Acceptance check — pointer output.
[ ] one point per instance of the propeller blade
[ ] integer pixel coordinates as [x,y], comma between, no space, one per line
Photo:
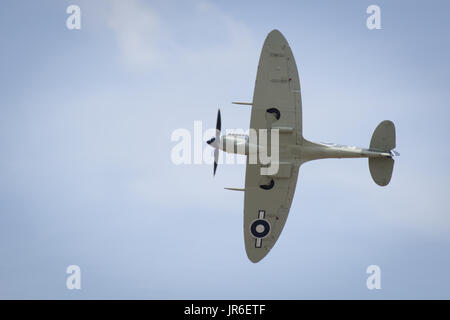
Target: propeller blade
[217,140]
[219,122]
[216,160]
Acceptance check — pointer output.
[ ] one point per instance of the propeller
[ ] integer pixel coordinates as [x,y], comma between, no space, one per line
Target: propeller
[214,141]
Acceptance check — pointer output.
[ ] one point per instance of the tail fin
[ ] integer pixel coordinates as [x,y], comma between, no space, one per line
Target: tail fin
[383,139]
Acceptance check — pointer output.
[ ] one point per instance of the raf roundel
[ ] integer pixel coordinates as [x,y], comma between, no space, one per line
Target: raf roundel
[260,228]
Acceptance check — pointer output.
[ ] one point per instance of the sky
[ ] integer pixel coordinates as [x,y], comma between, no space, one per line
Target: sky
[87,178]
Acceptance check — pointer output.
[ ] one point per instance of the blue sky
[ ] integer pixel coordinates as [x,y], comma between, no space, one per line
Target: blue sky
[87,179]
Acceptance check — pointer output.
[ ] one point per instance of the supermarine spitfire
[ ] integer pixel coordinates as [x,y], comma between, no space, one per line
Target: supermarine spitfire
[277,106]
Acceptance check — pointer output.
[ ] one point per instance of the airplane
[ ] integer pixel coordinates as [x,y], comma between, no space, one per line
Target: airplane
[277,105]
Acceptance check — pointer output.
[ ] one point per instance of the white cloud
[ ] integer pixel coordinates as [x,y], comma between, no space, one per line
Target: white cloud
[138,31]
[148,37]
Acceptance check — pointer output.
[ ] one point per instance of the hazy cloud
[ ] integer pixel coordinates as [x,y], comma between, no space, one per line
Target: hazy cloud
[138,31]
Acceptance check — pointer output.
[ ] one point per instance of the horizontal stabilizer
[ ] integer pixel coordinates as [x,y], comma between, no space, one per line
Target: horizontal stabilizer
[381,170]
[383,138]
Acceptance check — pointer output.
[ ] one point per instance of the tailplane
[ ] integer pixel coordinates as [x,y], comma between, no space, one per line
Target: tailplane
[383,140]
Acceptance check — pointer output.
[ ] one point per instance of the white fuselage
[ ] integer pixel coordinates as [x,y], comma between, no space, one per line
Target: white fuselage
[234,143]
[239,144]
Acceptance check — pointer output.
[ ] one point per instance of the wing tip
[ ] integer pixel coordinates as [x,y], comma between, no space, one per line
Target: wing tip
[275,33]
[256,257]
